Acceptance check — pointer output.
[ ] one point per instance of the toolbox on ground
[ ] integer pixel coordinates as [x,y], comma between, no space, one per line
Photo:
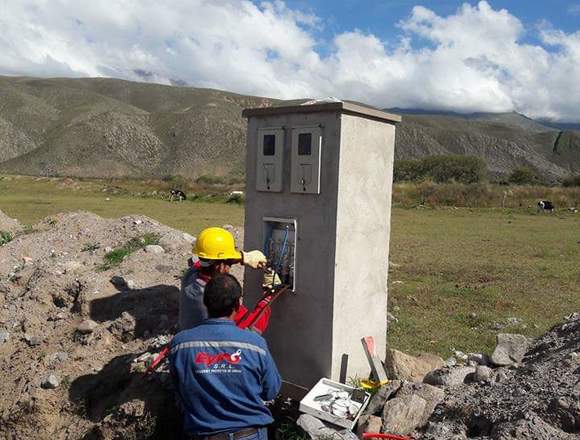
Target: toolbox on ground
[335,402]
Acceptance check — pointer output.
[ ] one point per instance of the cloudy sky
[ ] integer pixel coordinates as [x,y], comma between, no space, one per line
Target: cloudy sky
[464,56]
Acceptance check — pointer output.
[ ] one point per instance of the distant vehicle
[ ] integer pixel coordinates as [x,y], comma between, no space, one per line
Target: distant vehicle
[545,206]
[176,195]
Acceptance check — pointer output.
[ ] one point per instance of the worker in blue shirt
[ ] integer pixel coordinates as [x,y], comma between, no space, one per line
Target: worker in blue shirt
[223,374]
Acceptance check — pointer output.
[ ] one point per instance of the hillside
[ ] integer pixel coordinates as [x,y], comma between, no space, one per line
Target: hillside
[506,141]
[115,128]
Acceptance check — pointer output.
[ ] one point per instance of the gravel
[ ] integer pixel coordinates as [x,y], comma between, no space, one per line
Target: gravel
[539,399]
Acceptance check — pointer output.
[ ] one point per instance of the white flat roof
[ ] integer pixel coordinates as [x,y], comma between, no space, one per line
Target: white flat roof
[342,107]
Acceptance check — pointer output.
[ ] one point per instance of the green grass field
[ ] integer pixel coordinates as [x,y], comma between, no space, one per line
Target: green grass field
[456,272]
[30,199]
[494,264]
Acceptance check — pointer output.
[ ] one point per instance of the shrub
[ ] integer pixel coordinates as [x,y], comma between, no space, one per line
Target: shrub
[462,169]
[481,195]
[5,237]
[571,181]
[137,243]
[525,176]
[442,169]
[211,180]
[116,256]
[408,170]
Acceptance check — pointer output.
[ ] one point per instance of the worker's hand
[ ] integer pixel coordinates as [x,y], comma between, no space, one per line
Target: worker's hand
[271,279]
[254,259]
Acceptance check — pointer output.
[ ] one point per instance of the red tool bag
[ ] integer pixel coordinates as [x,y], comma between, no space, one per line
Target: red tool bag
[369,435]
[259,318]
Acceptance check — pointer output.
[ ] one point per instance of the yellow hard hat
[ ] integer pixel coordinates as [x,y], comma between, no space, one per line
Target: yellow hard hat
[216,244]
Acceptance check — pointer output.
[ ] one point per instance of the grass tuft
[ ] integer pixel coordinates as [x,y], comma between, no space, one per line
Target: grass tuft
[5,237]
[116,256]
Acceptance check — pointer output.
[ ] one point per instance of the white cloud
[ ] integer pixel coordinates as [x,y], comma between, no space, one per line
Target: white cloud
[472,60]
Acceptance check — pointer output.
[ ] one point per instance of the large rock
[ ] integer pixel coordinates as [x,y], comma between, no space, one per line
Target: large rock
[122,284]
[87,326]
[482,373]
[510,349]
[50,382]
[403,415]
[317,429]
[378,401]
[449,376]
[478,358]
[368,423]
[124,327]
[400,365]
[154,249]
[431,394]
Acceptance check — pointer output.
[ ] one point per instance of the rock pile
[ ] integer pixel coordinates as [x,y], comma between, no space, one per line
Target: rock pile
[525,389]
[533,393]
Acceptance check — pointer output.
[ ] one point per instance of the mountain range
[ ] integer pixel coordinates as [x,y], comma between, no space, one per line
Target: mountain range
[97,127]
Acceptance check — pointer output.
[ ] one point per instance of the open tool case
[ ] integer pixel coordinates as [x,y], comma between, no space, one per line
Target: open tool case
[327,401]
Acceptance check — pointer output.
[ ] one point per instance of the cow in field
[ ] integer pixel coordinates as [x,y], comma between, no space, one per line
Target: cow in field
[176,194]
[545,206]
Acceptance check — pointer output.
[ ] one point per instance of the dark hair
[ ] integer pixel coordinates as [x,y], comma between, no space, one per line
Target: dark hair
[222,295]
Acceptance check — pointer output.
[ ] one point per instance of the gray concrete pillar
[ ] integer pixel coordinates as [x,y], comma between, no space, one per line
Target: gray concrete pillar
[318,201]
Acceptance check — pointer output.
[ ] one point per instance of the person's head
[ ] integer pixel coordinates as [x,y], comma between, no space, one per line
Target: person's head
[222,296]
[216,250]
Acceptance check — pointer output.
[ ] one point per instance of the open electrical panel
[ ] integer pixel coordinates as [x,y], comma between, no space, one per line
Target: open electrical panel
[280,248]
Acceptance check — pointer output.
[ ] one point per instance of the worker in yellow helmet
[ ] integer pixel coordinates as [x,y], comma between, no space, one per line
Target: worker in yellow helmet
[216,252]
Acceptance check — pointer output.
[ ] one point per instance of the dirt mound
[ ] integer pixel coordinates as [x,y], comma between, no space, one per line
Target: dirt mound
[69,337]
[8,224]
[539,399]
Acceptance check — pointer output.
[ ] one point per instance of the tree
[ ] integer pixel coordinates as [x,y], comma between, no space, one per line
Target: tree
[442,169]
[571,181]
[524,176]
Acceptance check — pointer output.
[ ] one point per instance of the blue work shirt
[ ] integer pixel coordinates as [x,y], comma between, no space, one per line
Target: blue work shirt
[223,375]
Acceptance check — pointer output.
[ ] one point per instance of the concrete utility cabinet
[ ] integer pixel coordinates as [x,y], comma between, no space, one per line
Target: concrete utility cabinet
[318,203]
